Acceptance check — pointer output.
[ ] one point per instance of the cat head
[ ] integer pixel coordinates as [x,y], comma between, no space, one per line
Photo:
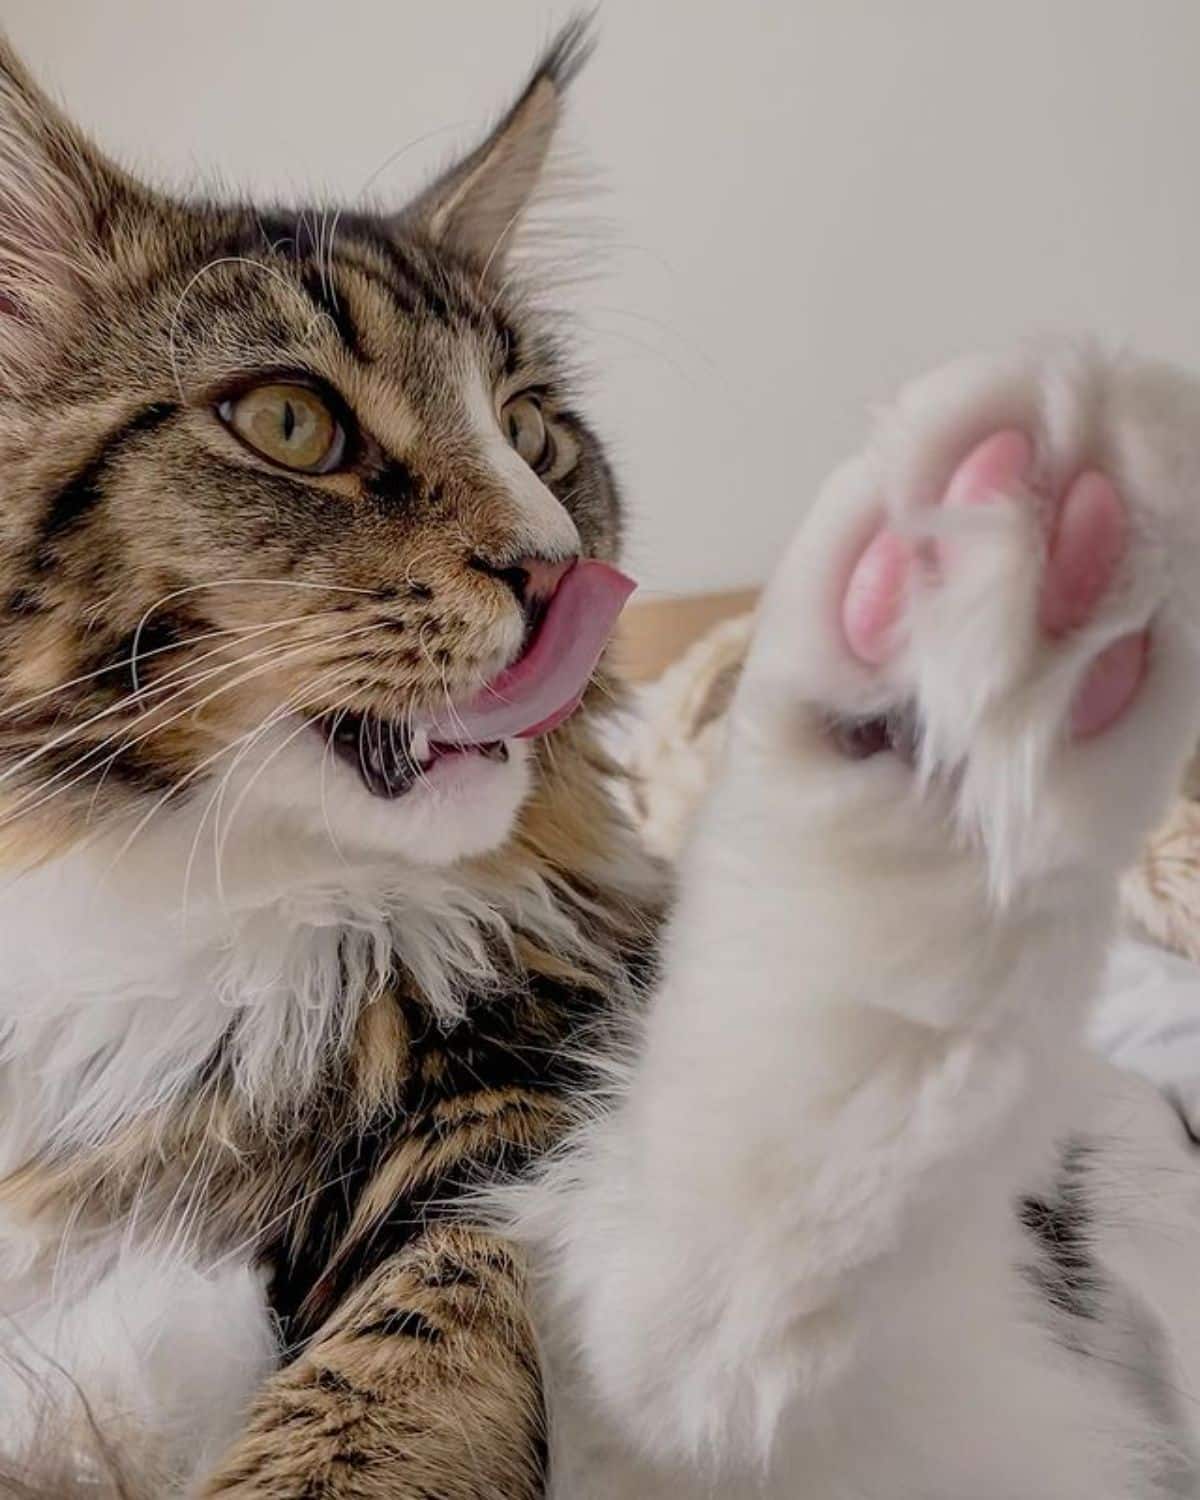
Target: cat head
[277,489]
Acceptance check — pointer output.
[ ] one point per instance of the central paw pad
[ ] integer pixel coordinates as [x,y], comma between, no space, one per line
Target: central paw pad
[1086,533]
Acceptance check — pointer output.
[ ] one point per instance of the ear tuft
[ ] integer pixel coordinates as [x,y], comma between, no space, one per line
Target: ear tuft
[474,208]
[568,53]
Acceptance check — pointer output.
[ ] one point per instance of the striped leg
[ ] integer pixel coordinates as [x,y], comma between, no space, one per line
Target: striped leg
[423,1384]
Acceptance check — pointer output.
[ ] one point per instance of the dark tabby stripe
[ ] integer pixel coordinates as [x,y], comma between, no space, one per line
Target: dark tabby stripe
[402,298]
[392,483]
[1066,1273]
[66,509]
[477,1104]
[132,660]
[322,293]
[415,289]
[449,1409]
[410,280]
[403,1323]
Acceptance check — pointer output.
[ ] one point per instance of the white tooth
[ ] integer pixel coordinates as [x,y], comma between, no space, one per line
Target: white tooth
[420,746]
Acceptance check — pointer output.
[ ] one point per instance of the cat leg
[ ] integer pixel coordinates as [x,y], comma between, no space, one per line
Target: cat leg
[424,1383]
[972,693]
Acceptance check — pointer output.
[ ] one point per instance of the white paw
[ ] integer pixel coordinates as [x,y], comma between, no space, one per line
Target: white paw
[1003,593]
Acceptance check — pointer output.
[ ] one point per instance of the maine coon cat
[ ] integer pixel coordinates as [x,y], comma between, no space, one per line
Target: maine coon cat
[306,930]
[303,541]
[864,1218]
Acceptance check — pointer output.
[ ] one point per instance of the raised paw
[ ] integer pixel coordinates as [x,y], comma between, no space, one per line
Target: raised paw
[1086,531]
[1004,590]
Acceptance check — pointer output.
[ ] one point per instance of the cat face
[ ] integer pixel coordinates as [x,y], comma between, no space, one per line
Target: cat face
[277,487]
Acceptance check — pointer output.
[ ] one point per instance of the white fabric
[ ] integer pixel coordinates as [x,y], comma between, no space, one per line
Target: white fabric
[1148,1019]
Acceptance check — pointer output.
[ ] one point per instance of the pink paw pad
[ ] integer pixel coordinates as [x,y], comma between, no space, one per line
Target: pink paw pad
[874,596]
[1087,539]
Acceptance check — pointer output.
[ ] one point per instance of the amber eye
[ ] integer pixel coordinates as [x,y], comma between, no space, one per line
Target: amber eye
[289,424]
[525,427]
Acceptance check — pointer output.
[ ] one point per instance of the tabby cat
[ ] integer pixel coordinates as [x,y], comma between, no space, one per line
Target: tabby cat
[315,896]
[301,920]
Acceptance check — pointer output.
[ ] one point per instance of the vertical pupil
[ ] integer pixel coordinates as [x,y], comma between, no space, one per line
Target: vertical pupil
[289,421]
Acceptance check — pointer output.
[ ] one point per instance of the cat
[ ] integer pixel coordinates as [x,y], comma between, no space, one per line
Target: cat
[307,936]
[862,1216]
[304,909]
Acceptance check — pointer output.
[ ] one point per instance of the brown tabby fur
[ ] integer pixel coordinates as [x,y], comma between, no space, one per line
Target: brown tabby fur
[130,525]
[423,1360]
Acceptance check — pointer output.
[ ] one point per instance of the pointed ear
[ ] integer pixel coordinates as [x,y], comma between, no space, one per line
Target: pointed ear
[474,208]
[57,193]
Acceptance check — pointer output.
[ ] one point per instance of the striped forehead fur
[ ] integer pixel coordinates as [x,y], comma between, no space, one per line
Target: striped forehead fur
[162,593]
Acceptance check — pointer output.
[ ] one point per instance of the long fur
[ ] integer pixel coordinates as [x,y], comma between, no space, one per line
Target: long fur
[863,1217]
[852,1213]
[261,1029]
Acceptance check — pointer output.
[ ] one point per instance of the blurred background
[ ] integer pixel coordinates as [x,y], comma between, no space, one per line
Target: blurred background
[806,199]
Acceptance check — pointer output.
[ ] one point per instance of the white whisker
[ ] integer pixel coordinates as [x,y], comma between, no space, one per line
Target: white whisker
[221,839]
[212,265]
[283,653]
[174,685]
[195,588]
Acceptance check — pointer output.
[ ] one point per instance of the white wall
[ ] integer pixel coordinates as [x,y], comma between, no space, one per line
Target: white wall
[812,197]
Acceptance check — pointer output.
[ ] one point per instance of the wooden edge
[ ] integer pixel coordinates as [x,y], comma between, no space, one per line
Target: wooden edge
[657,632]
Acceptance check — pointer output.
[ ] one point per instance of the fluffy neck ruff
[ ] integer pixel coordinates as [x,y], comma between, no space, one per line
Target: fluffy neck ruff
[127,979]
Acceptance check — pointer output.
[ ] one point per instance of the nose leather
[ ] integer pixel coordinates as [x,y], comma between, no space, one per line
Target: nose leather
[532,579]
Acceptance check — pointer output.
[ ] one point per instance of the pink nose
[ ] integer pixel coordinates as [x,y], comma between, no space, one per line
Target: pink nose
[532,579]
[543,578]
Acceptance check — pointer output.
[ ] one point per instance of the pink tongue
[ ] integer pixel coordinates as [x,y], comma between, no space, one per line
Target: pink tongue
[545,685]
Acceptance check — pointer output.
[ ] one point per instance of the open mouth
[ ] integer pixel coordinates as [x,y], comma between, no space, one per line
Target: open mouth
[540,687]
[390,759]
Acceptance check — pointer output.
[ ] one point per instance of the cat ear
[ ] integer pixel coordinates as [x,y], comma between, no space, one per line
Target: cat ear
[56,195]
[474,208]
